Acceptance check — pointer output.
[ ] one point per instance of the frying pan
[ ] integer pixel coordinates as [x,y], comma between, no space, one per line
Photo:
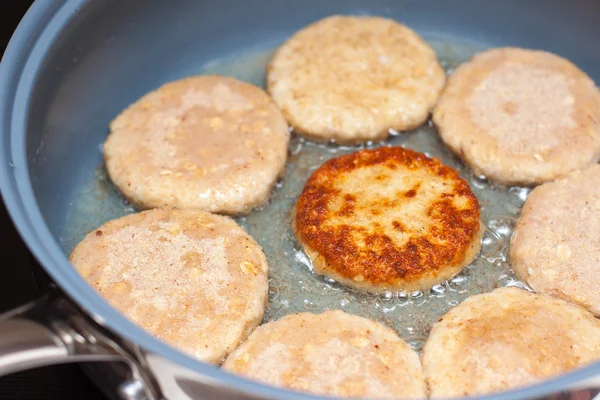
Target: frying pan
[72,65]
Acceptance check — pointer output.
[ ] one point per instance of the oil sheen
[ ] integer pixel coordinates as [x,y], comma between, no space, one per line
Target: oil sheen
[294,287]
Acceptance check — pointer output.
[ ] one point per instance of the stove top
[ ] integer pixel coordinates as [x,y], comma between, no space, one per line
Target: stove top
[22,279]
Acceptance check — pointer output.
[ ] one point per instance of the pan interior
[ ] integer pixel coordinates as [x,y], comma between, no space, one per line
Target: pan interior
[107,54]
[294,287]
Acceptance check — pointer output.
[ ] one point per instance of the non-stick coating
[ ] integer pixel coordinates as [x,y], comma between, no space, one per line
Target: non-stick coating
[73,65]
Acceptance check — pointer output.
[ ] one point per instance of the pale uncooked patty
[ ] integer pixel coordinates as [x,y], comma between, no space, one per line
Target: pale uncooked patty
[388,219]
[520,116]
[193,279]
[506,339]
[556,243]
[207,142]
[332,353]
[351,79]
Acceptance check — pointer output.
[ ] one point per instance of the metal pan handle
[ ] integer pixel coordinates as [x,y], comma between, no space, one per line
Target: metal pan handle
[53,331]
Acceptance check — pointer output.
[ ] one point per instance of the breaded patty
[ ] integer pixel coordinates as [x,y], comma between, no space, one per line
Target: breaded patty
[193,279]
[351,79]
[388,219]
[556,243]
[332,353]
[207,142]
[520,116]
[506,339]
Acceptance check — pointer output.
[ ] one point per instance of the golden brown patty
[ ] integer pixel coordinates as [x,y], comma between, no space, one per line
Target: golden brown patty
[388,219]
[193,279]
[520,116]
[332,353]
[208,142]
[351,79]
[506,339]
[556,244]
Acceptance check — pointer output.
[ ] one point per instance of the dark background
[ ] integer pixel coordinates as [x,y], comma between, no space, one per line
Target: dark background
[22,280]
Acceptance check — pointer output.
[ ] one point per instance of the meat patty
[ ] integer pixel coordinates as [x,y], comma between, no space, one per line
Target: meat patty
[388,219]
[207,142]
[332,353]
[507,339]
[520,116]
[556,244]
[351,79]
[193,279]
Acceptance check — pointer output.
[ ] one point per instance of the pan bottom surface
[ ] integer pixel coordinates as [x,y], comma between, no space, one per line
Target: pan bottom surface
[294,287]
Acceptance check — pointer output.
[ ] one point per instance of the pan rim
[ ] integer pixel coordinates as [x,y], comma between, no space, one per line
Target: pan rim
[22,59]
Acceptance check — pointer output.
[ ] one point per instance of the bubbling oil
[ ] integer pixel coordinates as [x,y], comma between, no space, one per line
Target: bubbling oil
[293,285]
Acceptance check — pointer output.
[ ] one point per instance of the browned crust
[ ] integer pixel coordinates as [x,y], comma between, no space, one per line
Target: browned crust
[449,241]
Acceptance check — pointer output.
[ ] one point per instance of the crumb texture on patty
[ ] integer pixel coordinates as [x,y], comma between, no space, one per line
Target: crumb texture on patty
[388,219]
[332,353]
[506,339]
[351,79]
[207,142]
[193,279]
[556,243]
[520,116]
